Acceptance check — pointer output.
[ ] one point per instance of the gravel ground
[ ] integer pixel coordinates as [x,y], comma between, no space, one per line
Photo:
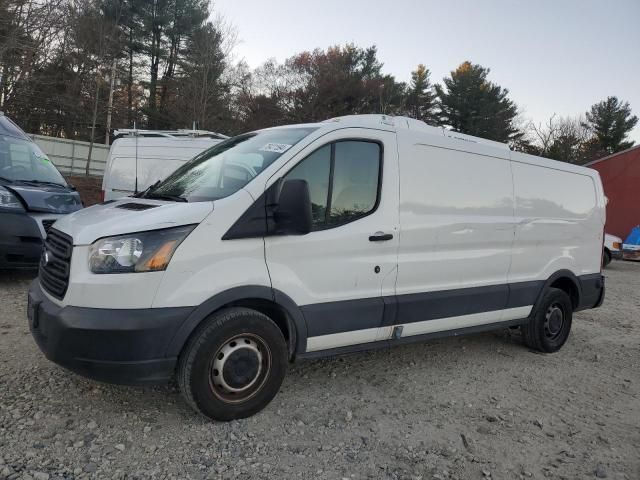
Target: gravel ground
[474,407]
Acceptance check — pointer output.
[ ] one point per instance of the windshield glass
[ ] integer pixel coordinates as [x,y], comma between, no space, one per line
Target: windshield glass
[228,166]
[23,161]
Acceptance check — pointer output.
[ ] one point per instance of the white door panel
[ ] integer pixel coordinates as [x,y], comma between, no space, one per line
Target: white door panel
[333,265]
[456,216]
[337,275]
[456,232]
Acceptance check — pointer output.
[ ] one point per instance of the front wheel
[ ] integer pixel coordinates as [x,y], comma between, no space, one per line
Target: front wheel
[233,365]
[549,327]
[606,258]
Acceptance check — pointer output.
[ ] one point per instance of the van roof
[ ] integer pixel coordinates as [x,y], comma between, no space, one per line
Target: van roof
[406,123]
[390,122]
[473,144]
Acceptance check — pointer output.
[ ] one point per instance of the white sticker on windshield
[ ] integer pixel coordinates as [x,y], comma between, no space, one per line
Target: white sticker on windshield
[275,147]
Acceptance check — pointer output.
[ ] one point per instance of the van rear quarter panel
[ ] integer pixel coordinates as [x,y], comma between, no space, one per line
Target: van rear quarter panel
[559,217]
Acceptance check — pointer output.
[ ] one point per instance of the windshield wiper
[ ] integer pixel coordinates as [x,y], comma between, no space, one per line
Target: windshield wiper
[42,182]
[173,198]
[146,190]
[148,193]
[5,179]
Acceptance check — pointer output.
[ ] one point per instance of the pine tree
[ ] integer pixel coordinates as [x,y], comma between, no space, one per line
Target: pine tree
[610,121]
[421,98]
[168,25]
[341,80]
[471,104]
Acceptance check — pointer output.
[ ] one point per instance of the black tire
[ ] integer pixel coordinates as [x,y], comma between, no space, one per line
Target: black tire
[606,257]
[258,360]
[550,324]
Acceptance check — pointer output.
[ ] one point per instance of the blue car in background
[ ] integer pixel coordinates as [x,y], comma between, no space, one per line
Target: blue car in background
[33,195]
[631,246]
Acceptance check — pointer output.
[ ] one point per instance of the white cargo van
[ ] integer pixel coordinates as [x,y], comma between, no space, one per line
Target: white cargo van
[139,158]
[311,240]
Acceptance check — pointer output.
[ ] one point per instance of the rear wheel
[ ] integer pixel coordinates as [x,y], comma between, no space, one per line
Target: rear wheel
[549,327]
[233,365]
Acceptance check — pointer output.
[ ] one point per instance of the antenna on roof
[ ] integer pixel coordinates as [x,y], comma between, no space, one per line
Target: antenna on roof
[135,188]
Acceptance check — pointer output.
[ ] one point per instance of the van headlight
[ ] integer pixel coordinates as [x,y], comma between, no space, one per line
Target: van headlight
[136,252]
[9,200]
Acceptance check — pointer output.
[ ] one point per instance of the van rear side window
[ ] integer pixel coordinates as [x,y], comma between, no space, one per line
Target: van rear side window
[343,180]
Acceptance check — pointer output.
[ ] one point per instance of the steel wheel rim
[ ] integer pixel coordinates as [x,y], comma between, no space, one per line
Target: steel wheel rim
[239,368]
[554,321]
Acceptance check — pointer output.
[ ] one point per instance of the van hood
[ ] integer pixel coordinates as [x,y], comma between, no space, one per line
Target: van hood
[129,215]
[45,198]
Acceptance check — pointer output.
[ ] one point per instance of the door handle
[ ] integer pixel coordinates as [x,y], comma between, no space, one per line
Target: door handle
[380,237]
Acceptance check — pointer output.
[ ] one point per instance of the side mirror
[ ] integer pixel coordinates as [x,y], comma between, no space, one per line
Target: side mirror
[293,212]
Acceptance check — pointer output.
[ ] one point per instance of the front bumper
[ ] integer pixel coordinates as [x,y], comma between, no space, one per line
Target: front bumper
[630,252]
[20,241]
[616,254]
[111,345]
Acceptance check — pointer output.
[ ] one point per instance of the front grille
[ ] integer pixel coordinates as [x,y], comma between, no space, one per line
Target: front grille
[46,224]
[55,263]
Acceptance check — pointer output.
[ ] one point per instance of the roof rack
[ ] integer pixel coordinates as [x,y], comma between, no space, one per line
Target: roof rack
[180,133]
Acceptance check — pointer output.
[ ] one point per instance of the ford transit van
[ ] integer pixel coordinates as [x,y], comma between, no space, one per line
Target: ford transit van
[33,195]
[309,240]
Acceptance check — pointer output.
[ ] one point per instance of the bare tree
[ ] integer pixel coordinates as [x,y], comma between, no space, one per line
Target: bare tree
[108,48]
[29,30]
[561,138]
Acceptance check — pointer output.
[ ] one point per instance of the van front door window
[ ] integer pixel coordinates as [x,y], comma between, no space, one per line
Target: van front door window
[343,181]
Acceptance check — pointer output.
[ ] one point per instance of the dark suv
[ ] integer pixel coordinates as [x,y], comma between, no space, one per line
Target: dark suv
[33,195]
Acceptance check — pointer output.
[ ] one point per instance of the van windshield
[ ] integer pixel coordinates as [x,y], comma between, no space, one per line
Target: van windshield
[228,166]
[23,161]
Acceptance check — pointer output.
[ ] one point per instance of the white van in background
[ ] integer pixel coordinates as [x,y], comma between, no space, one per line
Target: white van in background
[139,158]
[311,240]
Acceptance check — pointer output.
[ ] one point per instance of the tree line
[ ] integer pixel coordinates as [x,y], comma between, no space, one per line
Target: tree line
[77,69]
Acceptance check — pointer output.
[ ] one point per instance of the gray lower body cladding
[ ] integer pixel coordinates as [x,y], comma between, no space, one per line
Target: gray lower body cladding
[141,346]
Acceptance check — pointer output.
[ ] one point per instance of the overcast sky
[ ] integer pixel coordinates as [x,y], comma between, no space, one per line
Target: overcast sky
[554,56]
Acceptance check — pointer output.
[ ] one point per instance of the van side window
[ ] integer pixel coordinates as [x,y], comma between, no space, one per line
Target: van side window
[315,170]
[355,181]
[343,180]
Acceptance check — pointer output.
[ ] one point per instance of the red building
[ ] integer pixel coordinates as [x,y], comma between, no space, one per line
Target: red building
[620,175]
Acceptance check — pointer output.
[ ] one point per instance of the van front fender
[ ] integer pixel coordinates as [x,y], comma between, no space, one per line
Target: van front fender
[295,319]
